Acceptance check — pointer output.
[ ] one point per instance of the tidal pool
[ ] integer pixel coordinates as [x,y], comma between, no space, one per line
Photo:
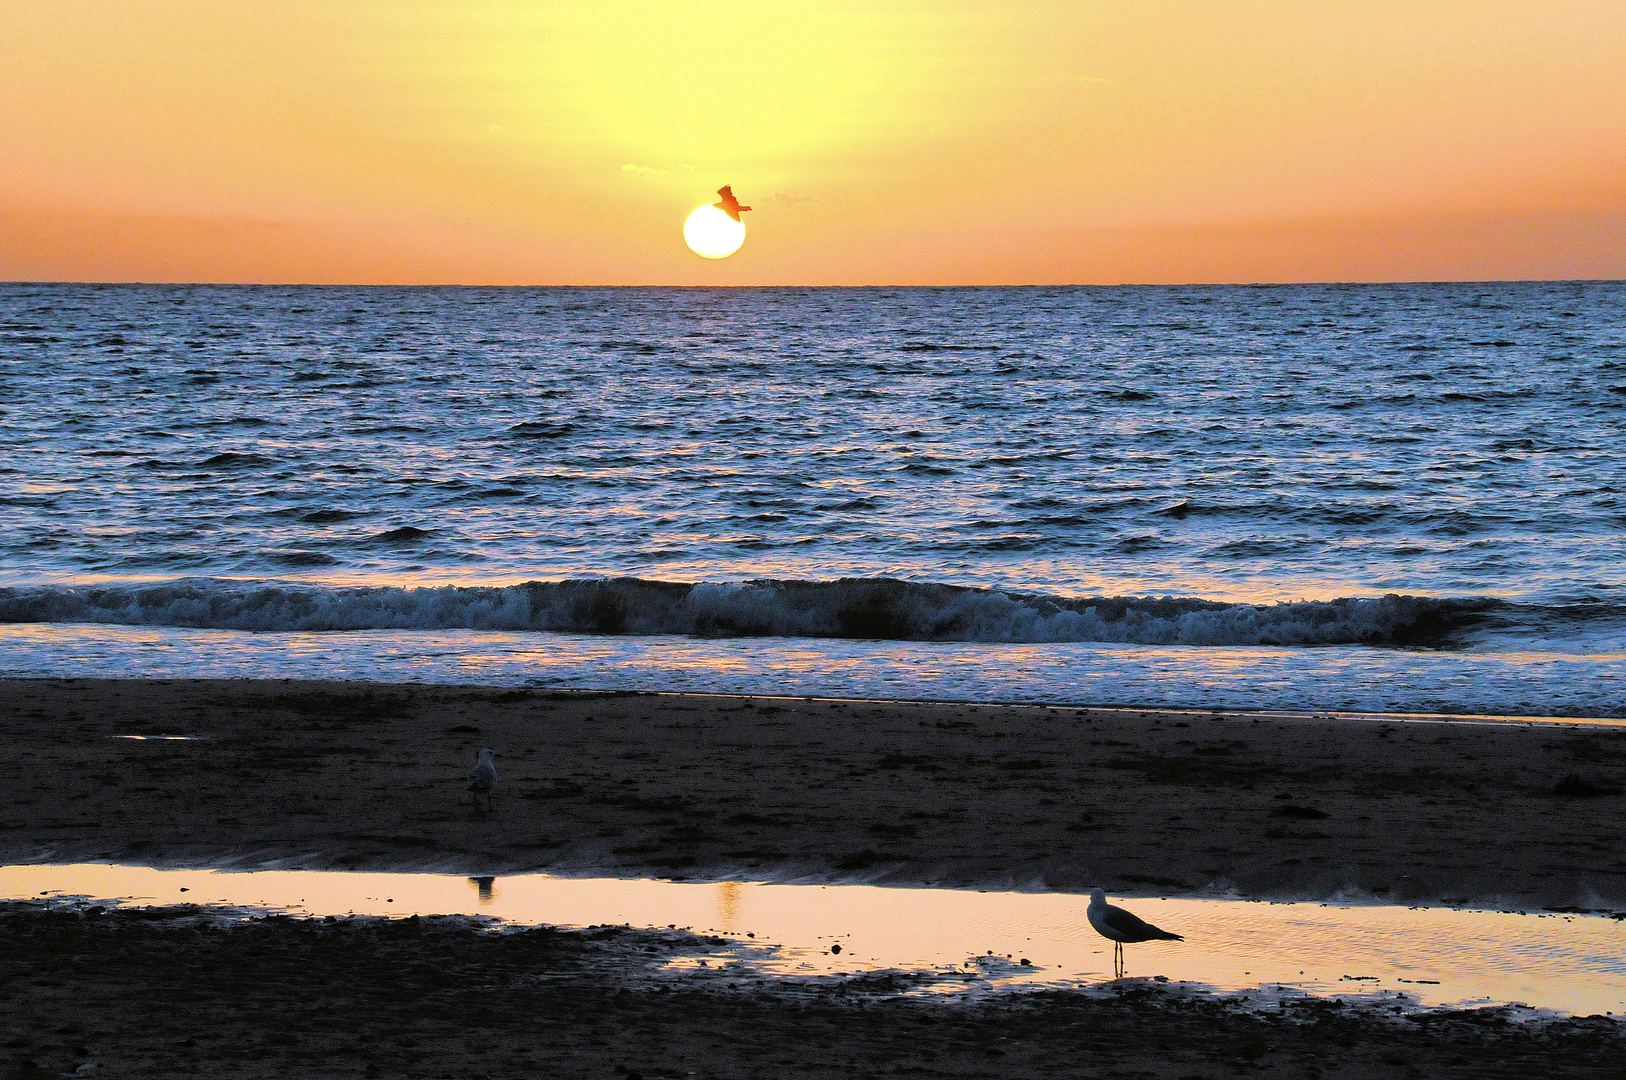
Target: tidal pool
[976,940]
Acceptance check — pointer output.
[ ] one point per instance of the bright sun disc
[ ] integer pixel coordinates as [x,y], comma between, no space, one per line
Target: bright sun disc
[712,234]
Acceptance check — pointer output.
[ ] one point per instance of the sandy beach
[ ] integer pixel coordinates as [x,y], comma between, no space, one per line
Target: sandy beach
[371,776]
[165,993]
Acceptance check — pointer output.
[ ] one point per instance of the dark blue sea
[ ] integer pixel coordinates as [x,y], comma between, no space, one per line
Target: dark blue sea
[1377,497]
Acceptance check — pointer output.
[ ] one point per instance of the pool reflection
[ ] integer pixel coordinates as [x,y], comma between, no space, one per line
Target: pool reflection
[977,940]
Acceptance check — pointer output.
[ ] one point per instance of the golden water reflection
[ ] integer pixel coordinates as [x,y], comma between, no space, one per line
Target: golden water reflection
[1438,956]
[728,906]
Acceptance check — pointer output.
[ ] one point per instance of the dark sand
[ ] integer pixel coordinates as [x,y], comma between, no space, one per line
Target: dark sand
[145,996]
[338,776]
[327,775]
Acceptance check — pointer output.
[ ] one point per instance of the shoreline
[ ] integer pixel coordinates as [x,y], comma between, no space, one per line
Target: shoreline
[1168,710]
[1344,680]
[369,776]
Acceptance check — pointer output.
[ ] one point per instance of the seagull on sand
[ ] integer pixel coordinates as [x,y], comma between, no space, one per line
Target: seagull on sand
[483,777]
[1119,926]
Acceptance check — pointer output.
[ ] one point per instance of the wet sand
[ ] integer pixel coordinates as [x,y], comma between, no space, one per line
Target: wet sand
[163,993]
[330,775]
[371,776]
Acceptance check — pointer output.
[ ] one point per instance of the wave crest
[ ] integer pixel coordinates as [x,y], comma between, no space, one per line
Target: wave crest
[857,608]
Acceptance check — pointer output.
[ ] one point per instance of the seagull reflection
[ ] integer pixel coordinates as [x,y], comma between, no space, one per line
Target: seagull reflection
[483,884]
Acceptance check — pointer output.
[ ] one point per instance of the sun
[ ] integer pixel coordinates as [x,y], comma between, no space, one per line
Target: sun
[712,234]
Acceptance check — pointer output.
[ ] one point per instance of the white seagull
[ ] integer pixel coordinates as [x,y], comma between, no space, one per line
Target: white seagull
[483,777]
[1119,926]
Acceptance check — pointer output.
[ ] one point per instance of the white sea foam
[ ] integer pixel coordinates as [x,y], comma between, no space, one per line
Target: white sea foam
[1334,677]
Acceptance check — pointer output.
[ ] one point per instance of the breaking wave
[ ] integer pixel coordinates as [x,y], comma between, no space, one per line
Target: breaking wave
[854,608]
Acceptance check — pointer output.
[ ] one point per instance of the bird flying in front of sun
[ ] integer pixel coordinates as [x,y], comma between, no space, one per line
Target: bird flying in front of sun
[715,231]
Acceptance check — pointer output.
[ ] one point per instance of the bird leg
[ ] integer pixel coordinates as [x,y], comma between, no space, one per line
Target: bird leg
[1117,959]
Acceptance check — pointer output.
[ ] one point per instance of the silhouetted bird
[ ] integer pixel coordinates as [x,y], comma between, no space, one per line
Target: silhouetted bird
[1119,926]
[730,205]
[483,777]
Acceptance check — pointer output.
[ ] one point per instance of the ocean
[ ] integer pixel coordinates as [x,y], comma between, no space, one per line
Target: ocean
[1394,498]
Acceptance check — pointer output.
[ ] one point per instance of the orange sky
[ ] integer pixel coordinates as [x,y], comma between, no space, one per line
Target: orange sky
[885,141]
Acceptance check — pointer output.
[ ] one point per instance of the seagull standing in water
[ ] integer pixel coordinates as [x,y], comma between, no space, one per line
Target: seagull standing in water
[1119,926]
[483,777]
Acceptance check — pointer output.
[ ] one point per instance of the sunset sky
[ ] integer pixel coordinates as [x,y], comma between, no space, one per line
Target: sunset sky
[880,141]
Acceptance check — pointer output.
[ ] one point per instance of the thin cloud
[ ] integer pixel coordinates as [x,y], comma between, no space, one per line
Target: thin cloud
[643,172]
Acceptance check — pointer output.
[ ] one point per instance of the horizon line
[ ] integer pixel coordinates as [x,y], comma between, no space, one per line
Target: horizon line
[8,282]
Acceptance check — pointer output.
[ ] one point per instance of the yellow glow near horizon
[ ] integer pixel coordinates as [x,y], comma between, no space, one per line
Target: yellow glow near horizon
[933,141]
[712,234]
